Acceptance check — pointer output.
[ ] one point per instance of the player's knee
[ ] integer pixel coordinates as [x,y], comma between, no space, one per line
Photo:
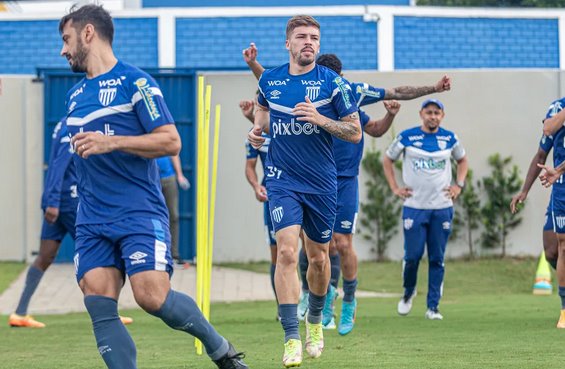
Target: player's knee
[287,256]
[319,261]
[148,302]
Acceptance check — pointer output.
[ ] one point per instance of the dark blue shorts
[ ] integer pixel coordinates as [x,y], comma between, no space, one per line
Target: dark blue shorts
[548,223]
[269,230]
[131,245]
[347,205]
[57,231]
[315,213]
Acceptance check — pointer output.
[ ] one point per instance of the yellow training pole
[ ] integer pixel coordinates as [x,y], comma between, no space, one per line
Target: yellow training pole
[206,262]
[199,199]
[212,210]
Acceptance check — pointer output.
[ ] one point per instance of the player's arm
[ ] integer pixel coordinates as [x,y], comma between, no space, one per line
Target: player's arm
[58,163]
[181,179]
[250,57]
[248,109]
[454,190]
[377,128]
[412,92]
[554,123]
[388,168]
[260,125]
[551,175]
[162,141]
[251,175]
[533,171]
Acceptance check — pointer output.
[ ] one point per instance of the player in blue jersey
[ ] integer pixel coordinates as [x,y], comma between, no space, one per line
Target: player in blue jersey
[553,127]
[118,122]
[428,198]
[304,105]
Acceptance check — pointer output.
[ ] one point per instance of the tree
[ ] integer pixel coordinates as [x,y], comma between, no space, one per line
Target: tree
[381,213]
[470,205]
[496,215]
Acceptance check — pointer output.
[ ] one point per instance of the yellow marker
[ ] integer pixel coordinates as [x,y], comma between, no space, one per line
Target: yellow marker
[542,285]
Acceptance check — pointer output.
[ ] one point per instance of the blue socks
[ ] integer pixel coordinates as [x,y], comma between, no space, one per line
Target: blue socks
[303,266]
[562,295]
[289,321]
[33,278]
[315,306]
[273,268]
[349,288]
[112,338]
[180,312]
[336,269]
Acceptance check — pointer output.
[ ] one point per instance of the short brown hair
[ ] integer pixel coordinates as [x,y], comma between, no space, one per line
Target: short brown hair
[300,21]
[93,14]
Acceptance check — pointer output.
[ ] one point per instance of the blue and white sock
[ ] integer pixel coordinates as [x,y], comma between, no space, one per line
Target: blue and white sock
[289,321]
[33,278]
[349,288]
[315,306]
[336,269]
[303,266]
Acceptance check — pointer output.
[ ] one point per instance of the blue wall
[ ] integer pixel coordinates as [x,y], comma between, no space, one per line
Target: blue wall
[432,43]
[200,3]
[218,42]
[26,45]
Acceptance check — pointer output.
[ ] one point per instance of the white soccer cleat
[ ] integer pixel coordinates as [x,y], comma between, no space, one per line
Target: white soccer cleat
[405,304]
[314,339]
[433,314]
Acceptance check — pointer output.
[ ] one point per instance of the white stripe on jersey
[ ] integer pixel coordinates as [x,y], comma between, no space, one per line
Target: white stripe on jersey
[137,96]
[104,112]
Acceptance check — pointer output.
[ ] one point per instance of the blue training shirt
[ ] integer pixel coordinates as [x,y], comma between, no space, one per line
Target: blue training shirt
[253,153]
[124,101]
[558,142]
[60,188]
[301,154]
[366,94]
[166,169]
[348,155]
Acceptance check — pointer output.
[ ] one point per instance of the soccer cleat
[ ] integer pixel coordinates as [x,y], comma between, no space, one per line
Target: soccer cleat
[405,304]
[328,311]
[292,356]
[231,360]
[303,305]
[561,322]
[433,314]
[330,325]
[24,321]
[314,339]
[126,320]
[347,318]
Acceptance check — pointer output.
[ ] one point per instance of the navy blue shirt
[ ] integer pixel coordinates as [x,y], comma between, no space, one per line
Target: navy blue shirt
[558,142]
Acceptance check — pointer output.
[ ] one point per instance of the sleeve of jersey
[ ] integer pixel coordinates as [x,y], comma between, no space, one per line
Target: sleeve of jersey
[149,104]
[261,99]
[251,153]
[546,143]
[364,118]
[395,149]
[342,98]
[457,151]
[367,94]
[59,161]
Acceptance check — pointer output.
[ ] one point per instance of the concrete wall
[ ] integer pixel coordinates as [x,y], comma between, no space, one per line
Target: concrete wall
[21,160]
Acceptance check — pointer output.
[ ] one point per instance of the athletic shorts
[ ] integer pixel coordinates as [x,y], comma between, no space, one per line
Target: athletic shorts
[315,213]
[64,224]
[347,205]
[548,223]
[269,230]
[131,245]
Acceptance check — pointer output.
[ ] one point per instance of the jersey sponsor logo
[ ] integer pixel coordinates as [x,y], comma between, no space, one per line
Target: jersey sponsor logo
[277,83]
[555,108]
[56,130]
[312,92]
[147,96]
[346,224]
[311,83]
[364,90]
[74,192]
[408,223]
[343,87]
[428,164]
[294,129]
[560,221]
[111,82]
[72,107]
[442,144]
[104,349]
[275,94]
[138,257]
[443,138]
[277,214]
[107,95]
[418,144]
[446,225]
[327,233]
[416,138]
[77,92]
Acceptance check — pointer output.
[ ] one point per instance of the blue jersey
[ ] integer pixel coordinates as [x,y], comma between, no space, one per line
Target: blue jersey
[348,155]
[301,154]
[60,188]
[252,153]
[166,169]
[366,94]
[558,141]
[127,102]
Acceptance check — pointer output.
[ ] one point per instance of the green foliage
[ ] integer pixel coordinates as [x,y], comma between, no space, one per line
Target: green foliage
[467,215]
[381,213]
[499,187]
[495,3]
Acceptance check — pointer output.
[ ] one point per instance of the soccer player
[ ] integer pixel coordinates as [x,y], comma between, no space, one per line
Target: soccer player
[553,127]
[118,122]
[252,154]
[304,105]
[428,198]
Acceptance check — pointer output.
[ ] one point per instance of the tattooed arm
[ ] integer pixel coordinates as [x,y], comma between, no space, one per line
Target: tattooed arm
[412,92]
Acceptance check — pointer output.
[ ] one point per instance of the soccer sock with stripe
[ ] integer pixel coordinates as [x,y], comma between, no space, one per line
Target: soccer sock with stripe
[349,288]
[33,278]
[303,266]
[112,338]
[336,269]
[180,312]
[315,307]
[289,321]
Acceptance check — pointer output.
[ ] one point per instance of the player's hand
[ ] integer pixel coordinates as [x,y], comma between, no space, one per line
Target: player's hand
[516,200]
[247,107]
[255,138]
[392,106]
[183,182]
[452,192]
[444,84]
[548,177]
[403,192]
[91,143]
[261,193]
[307,112]
[51,214]
[250,54]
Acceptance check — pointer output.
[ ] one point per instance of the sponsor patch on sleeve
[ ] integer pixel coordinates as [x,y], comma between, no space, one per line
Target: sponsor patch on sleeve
[343,88]
[148,97]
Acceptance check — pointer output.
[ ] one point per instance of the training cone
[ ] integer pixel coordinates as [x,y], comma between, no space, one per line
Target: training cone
[542,285]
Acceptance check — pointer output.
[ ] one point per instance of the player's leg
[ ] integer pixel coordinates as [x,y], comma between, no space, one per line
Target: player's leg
[414,223]
[328,313]
[558,218]
[303,269]
[171,195]
[271,241]
[438,234]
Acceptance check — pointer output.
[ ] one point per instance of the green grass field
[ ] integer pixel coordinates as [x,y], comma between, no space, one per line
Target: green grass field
[491,321]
